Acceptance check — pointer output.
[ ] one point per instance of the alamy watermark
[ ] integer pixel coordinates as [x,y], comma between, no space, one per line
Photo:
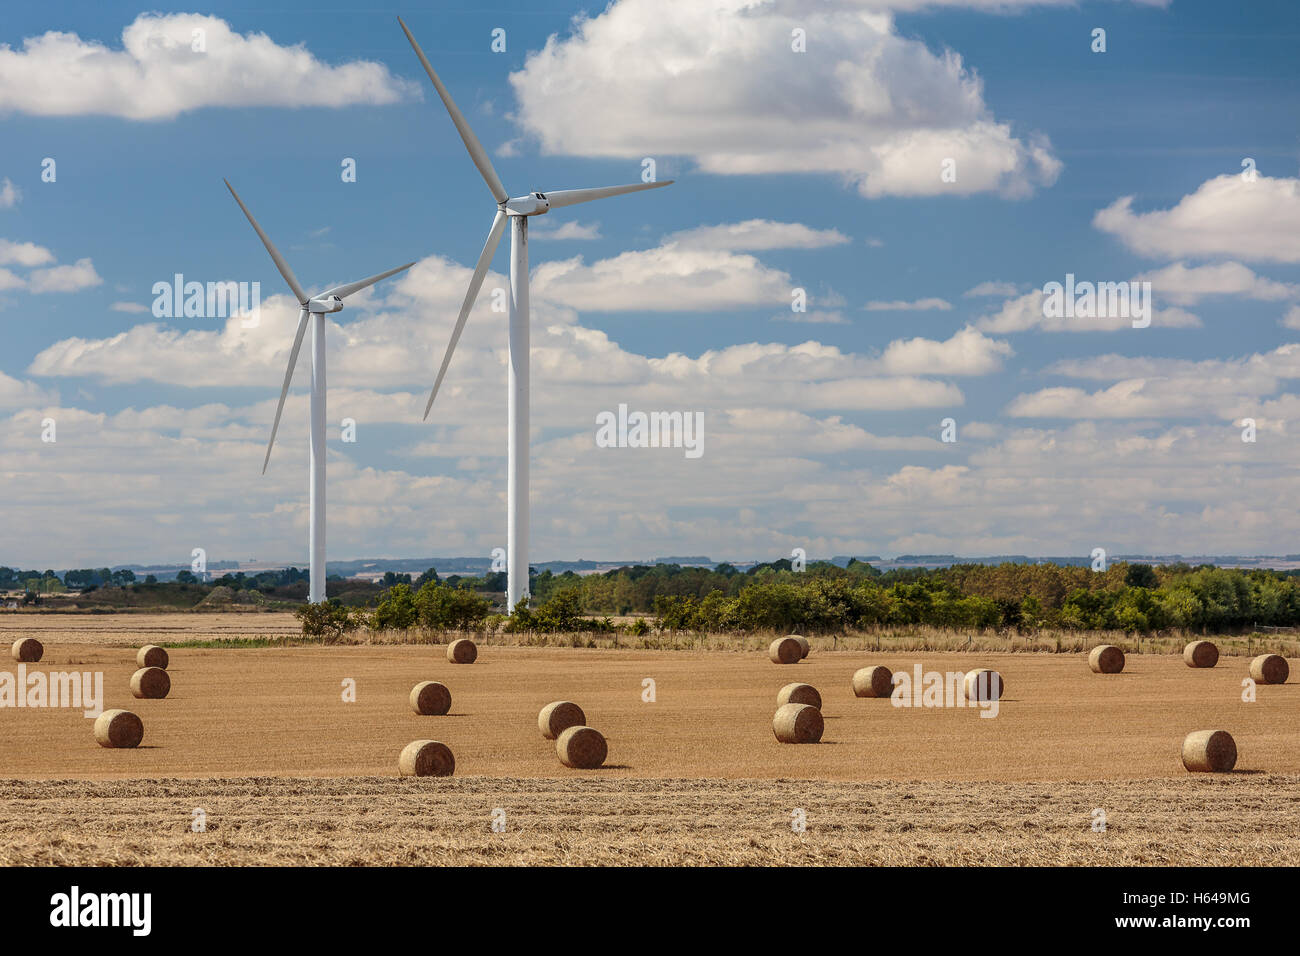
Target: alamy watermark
[84,689]
[179,299]
[651,430]
[940,689]
[1098,300]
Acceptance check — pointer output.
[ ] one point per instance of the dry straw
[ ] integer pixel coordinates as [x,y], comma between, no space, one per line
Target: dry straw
[28,650]
[1106,659]
[799,694]
[558,716]
[151,655]
[804,646]
[876,681]
[582,748]
[798,724]
[984,685]
[426,758]
[462,651]
[1270,669]
[785,650]
[1201,654]
[1212,751]
[429,698]
[118,728]
[151,683]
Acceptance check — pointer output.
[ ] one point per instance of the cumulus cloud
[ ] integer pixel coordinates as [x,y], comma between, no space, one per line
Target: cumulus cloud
[9,194]
[1187,285]
[1228,216]
[158,73]
[815,317]
[570,229]
[754,235]
[717,81]
[26,254]
[1025,312]
[69,278]
[902,305]
[966,353]
[992,288]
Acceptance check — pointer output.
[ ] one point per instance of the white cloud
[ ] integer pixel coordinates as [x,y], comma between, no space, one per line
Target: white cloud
[9,280]
[1187,285]
[815,317]
[158,75]
[1002,289]
[1226,216]
[755,235]
[570,229]
[80,275]
[667,278]
[9,194]
[1292,318]
[901,305]
[966,353]
[15,393]
[717,81]
[1025,312]
[132,307]
[26,254]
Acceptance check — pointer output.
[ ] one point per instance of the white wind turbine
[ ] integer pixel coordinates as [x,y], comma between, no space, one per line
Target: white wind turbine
[518,210]
[316,307]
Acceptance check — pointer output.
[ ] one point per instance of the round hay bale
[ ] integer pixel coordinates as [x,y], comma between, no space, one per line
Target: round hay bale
[1270,669]
[984,685]
[462,651]
[558,716]
[429,698]
[1211,751]
[150,683]
[151,655]
[798,724]
[876,681]
[426,758]
[28,650]
[582,748]
[118,728]
[785,650]
[804,646]
[1106,659]
[799,694]
[1201,654]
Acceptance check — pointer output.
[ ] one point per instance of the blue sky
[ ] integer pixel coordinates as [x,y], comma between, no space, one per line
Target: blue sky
[822,435]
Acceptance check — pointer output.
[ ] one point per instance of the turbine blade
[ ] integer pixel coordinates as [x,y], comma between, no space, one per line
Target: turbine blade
[270,247]
[571,197]
[476,150]
[288,377]
[480,271]
[343,291]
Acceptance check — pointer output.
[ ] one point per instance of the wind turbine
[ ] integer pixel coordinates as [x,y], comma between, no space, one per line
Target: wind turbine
[517,210]
[315,307]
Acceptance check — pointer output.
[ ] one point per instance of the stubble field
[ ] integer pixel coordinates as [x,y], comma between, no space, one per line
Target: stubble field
[287,770]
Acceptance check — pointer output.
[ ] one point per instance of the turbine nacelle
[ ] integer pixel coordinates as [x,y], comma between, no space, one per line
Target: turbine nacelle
[534,204]
[325,303]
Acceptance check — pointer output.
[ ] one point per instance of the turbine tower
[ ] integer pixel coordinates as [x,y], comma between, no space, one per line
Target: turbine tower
[315,307]
[517,210]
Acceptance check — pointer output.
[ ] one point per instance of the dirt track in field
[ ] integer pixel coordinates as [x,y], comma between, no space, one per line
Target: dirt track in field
[1236,821]
[693,777]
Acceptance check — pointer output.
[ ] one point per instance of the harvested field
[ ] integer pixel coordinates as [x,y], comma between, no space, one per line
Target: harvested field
[280,712]
[288,772]
[593,820]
